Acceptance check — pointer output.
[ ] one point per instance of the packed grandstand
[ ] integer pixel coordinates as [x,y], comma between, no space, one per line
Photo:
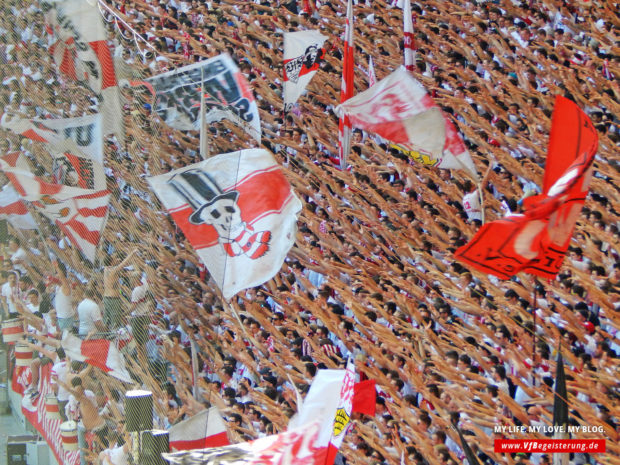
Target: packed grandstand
[122,281]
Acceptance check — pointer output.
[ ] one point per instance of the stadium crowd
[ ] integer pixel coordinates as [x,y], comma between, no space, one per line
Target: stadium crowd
[372,274]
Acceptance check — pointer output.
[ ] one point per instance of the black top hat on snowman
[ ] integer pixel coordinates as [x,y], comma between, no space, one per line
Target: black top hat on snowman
[200,190]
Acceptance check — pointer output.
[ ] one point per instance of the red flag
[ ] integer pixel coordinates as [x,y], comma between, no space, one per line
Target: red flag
[97,352]
[313,436]
[80,213]
[346,89]
[536,242]
[399,109]
[365,397]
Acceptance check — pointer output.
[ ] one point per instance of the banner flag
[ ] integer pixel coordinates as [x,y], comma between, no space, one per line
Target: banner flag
[226,90]
[311,437]
[239,213]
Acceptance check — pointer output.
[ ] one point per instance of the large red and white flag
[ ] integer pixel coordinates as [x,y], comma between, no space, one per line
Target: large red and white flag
[346,89]
[100,353]
[80,213]
[398,109]
[14,210]
[536,241]
[81,21]
[313,435]
[408,39]
[239,213]
[303,53]
[205,429]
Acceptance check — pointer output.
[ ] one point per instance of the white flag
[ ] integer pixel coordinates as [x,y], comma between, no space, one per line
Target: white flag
[75,144]
[372,76]
[205,429]
[227,95]
[239,213]
[303,54]
[100,353]
[398,109]
[310,440]
[85,131]
[81,21]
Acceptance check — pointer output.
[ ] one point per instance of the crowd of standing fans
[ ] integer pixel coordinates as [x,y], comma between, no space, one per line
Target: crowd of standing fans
[372,274]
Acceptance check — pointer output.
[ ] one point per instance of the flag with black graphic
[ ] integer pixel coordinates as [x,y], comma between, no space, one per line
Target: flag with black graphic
[239,213]
[227,95]
[303,53]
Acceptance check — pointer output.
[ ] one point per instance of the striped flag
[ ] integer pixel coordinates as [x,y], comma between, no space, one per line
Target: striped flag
[79,213]
[81,22]
[346,89]
[205,429]
[409,43]
[100,353]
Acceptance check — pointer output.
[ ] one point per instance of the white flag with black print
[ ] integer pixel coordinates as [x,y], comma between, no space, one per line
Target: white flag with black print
[303,54]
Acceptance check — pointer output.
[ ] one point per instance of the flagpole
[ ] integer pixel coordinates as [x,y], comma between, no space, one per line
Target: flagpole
[204,137]
[481,201]
[346,88]
[534,322]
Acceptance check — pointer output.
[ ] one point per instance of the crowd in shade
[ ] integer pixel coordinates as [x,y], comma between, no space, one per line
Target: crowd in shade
[372,274]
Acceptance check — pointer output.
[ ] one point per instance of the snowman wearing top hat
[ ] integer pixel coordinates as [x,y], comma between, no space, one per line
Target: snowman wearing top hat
[220,210]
